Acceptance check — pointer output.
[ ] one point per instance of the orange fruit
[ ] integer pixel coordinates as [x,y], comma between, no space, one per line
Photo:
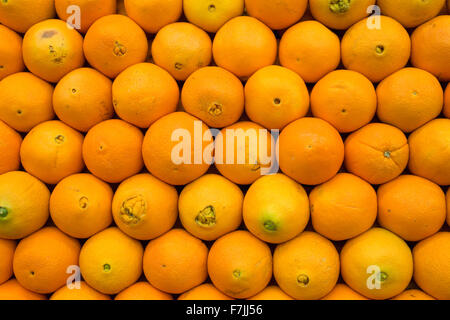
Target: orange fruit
[277,15]
[447,102]
[80,205]
[411,220]
[344,98]
[205,291]
[310,49]
[23,204]
[431,47]
[90,11]
[11,55]
[343,292]
[17,109]
[339,14]
[21,15]
[180,159]
[142,291]
[276,208]
[110,261]
[51,151]
[121,36]
[448,206]
[144,207]
[171,255]
[255,42]
[306,267]
[377,264]
[9,148]
[242,151]
[152,15]
[82,99]
[210,207]
[210,15]
[12,290]
[51,50]
[409,98]
[181,48]
[432,265]
[429,152]
[275,96]
[143,93]
[214,95]
[413,294]
[7,248]
[343,207]
[112,150]
[41,260]
[311,151]
[411,13]
[85,292]
[376,52]
[377,153]
[271,293]
[240,265]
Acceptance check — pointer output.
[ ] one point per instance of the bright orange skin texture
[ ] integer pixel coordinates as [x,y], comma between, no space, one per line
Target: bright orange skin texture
[448,206]
[12,290]
[84,293]
[271,293]
[21,15]
[413,294]
[11,55]
[447,102]
[7,248]
[9,148]
[205,291]
[343,292]
[142,291]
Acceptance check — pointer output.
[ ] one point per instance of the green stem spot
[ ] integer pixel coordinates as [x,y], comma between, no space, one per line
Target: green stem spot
[339,6]
[387,154]
[383,276]
[3,212]
[206,217]
[303,280]
[107,267]
[270,225]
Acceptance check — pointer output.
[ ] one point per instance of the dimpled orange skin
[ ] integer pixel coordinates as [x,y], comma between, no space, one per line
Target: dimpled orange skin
[17,109]
[447,102]
[110,261]
[252,153]
[113,43]
[310,49]
[343,207]
[210,207]
[306,267]
[162,159]
[7,248]
[275,96]
[339,14]
[205,291]
[376,52]
[181,48]
[344,98]
[85,292]
[90,10]
[411,220]
[409,98]
[51,50]
[271,293]
[377,153]
[413,294]
[214,95]
[243,45]
[432,265]
[143,93]
[80,205]
[175,262]
[277,15]
[343,292]
[448,206]
[9,148]
[311,151]
[152,15]
[12,290]
[51,151]
[431,47]
[429,152]
[82,98]
[145,207]
[11,55]
[41,260]
[239,264]
[19,218]
[142,291]
[112,150]
[21,15]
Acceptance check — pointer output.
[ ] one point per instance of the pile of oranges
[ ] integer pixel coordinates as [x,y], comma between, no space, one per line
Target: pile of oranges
[113,115]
